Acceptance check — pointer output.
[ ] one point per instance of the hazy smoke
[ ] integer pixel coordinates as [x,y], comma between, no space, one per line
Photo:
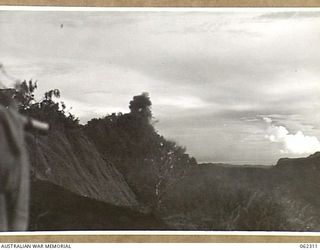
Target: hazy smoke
[292,143]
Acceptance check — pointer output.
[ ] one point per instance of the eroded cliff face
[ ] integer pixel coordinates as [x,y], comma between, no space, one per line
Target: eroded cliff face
[74,188]
[71,161]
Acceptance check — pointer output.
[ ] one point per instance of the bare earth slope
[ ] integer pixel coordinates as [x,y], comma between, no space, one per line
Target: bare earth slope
[72,161]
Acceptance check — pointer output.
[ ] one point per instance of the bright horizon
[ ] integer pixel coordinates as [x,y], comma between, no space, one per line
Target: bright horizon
[234,86]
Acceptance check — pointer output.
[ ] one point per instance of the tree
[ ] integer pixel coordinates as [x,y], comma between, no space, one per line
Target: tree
[24,94]
[141,106]
[46,109]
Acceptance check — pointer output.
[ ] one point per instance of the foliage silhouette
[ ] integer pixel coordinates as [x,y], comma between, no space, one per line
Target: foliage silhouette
[47,109]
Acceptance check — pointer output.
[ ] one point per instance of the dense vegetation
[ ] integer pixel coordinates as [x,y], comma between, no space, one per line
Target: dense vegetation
[150,163]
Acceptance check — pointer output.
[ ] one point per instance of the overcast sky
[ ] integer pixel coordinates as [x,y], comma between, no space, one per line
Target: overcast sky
[232,86]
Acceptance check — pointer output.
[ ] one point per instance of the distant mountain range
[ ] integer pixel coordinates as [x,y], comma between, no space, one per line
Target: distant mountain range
[227,165]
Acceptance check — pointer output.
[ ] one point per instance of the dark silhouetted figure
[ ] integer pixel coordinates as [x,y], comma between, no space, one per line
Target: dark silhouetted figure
[14,165]
[14,171]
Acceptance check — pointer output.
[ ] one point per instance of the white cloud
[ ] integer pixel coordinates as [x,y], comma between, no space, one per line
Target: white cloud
[297,143]
[267,119]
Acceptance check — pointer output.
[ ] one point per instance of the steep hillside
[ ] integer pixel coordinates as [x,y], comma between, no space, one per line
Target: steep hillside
[119,159]
[74,187]
[71,161]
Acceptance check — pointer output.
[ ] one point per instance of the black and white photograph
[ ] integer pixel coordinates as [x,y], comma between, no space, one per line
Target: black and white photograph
[151,119]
